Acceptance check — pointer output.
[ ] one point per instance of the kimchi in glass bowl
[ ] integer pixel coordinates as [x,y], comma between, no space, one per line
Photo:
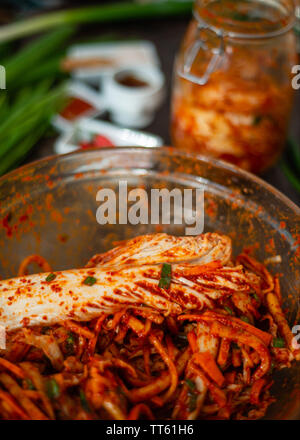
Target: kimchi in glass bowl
[49,208]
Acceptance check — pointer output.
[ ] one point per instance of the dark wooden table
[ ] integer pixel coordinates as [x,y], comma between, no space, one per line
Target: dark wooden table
[166,34]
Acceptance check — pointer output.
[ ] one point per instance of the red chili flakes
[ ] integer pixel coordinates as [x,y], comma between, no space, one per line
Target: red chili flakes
[55,288]
[5,224]
[23,218]
[63,238]
[25,322]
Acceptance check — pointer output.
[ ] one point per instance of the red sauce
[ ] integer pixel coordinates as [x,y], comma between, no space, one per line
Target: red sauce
[76,107]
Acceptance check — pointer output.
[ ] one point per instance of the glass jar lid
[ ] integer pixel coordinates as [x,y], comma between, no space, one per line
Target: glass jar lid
[247,18]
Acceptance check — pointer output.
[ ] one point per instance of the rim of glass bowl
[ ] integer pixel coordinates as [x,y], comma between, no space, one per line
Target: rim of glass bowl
[165,151]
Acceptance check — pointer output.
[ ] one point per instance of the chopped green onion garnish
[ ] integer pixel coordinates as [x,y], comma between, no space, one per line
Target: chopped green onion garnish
[228,309]
[257,119]
[70,341]
[90,281]
[166,276]
[84,402]
[50,277]
[245,319]
[190,384]
[52,389]
[70,338]
[30,384]
[278,343]
[255,297]
[192,401]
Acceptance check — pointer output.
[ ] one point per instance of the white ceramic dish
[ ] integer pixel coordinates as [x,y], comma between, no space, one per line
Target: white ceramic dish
[77,89]
[118,56]
[86,128]
[134,106]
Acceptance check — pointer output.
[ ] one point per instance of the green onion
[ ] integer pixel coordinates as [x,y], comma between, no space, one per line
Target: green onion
[228,309]
[52,389]
[122,11]
[90,281]
[290,164]
[70,339]
[39,50]
[27,123]
[166,276]
[50,277]
[19,152]
[30,384]
[70,342]
[257,119]
[84,402]
[272,366]
[245,319]
[49,68]
[294,152]
[255,296]
[190,384]
[290,175]
[192,401]
[278,343]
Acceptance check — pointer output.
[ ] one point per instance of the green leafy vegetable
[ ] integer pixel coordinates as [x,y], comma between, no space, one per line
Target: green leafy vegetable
[70,339]
[272,366]
[29,384]
[50,277]
[278,343]
[245,319]
[190,384]
[90,281]
[70,342]
[28,58]
[84,402]
[52,389]
[255,296]
[257,119]
[166,276]
[121,11]
[192,400]
[228,309]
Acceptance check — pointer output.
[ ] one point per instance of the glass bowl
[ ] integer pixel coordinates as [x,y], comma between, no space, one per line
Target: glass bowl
[49,208]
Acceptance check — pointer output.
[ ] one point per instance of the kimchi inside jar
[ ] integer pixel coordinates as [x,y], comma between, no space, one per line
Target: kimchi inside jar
[232,93]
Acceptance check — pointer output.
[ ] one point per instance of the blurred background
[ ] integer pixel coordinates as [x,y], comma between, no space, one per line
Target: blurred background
[34,121]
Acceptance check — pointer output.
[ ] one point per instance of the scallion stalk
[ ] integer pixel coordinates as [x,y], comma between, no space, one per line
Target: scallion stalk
[291,176]
[28,58]
[19,151]
[122,11]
